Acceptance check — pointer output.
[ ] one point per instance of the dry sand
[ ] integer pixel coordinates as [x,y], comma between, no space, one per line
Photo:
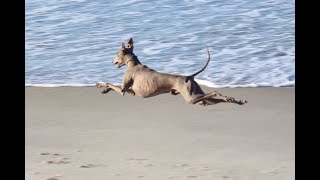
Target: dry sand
[76,133]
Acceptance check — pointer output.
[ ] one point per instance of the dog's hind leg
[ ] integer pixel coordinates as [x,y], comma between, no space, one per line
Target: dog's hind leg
[206,99]
[212,101]
[195,98]
[217,99]
[232,100]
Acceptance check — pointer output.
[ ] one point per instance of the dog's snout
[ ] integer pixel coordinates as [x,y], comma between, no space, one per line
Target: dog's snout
[114,61]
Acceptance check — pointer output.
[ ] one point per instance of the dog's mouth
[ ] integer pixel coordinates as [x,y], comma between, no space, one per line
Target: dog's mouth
[118,65]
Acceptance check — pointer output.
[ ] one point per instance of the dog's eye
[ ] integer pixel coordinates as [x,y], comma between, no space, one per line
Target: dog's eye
[124,52]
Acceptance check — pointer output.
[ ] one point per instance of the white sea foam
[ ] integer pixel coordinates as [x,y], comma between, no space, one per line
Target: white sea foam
[157,48]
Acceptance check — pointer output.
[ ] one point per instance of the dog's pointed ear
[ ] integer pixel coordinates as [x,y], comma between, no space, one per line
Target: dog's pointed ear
[130,43]
[123,47]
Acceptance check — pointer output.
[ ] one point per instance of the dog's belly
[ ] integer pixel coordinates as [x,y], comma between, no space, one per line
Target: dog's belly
[148,88]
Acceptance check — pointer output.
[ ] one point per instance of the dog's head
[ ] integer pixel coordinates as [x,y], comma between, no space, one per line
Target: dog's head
[121,58]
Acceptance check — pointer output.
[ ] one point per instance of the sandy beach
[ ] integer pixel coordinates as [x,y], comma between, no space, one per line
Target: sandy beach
[77,133]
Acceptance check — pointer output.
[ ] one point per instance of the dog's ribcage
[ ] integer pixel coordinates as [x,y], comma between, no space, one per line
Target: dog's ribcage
[147,82]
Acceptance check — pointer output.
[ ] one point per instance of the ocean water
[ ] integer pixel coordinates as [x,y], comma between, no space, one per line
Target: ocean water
[72,42]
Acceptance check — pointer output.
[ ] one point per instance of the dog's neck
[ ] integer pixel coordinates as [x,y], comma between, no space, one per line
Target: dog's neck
[132,60]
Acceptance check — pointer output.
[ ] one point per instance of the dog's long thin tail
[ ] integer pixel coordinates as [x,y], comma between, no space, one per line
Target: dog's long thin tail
[191,77]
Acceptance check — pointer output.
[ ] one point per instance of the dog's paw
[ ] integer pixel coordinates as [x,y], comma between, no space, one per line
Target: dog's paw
[132,93]
[230,99]
[105,91]
[102,84]
[98,85]
[202,103]
[241,102]
[174,92]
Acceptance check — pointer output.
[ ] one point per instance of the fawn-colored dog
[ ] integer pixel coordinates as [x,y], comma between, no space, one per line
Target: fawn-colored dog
[142,81]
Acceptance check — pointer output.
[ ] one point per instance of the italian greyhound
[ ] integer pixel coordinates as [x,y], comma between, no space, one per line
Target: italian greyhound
[143,81]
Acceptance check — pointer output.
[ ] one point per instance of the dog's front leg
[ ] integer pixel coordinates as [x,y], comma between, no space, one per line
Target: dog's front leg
[108,87]
[126,84]
[174,92]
